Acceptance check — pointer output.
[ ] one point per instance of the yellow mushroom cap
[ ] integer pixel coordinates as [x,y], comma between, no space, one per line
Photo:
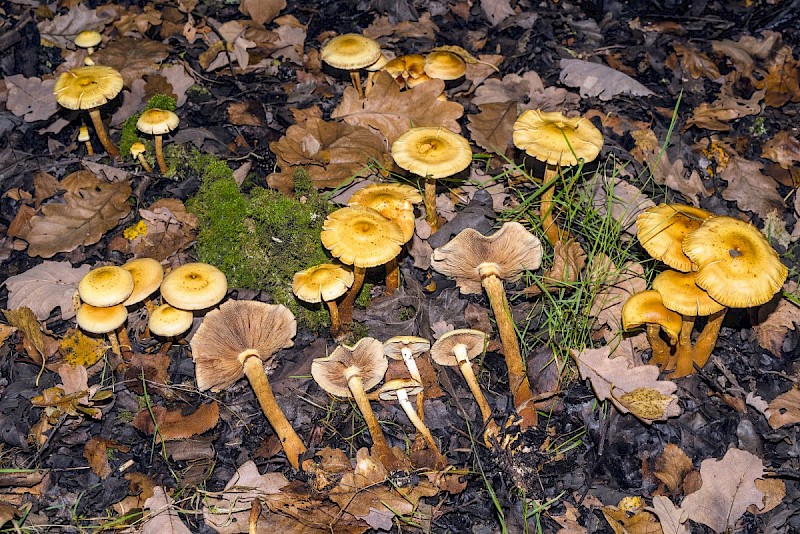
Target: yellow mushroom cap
[680,293]
[393,201]
[87,87]
[322,282]
[361,236]
[83,134]
[194,286]
[444,65]
[646,307]
[350,51]
[147,274]
[662,229]
[406,68]
[157,121]
[736,264]
[167,321]
[552,137]
[101,319]
[137,148]
[431,151]
[105,286]
[88,39]
[378,65]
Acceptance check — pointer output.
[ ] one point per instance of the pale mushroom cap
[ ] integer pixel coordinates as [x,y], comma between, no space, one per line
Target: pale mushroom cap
[83,134]
[736,264]
[662,229]
[147,275]
[137,148]
[470,256]
[101,320]
[87,87]
[393,201]
[379,64]
[544,135]
[432,151]
[88,39]
[236,327]
[646,307]
[473,341]
[680,293]
[388,391]
[322,282]
[361,236]
[350,51]
[157,121]
[393,346]
[406,68]
[194,286]
[366,359]
[168,321]
[106,286]
[444,65]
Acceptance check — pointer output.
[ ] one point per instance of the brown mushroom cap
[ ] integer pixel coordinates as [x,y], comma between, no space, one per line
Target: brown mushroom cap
[101,320]
[556,139]
[350,51]
[470,256]
[473,342]
[736,264]
[662,229]
[147,275]
[157,121]
[646,307]
[366,359]
[361,236]
[194,286]
[444,65]
[394,346]
[393,201]
[432,151]
[388,391]
[87,87]
[680,293]
[322,282]
[106,286]
[168,321]
[237,327]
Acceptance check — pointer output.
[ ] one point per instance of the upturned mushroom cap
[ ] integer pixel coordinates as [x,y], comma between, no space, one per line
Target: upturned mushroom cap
[556,139]
[444,65]
[388,391]
[157,121]
[147,275]
[168,321]
[101,320]
[88,39]
[662,229]
[736,264]
[646,307]
[393,346]
[470,256]
[472,341]
[393,201]
[106,286]
[87,87]
[432,151]
[406,68]
[236,327]
[361,236]
[350,51]
[322,282]
[194,286]
[680,293]
[365,359]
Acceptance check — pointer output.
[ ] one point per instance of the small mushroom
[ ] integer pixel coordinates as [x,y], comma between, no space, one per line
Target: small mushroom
[102,288]
[662,229]
[323,283]
[646,308]
[103,320]
[432,153]
[236,340]
[158,122]
[88,39]
[83,137]
[167,321]
[194,286]
[407,70]
[408,348]
[351,52]
[444,65]
[88,88]
[476,261]
[351,372]
[137,151]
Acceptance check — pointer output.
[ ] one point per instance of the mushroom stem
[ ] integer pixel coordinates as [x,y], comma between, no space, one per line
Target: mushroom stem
[683,351]
[102,135]
[346,307]
[408,408]
[430,203]
[517,376]
[661,350]
[89,148]
[413,370]
[334,311]
[466,369]
[143,162]
[162,164]
[379,443]
[392,276]
[707,339]
[290,441]
[551,229]
[356,78]
[112,339]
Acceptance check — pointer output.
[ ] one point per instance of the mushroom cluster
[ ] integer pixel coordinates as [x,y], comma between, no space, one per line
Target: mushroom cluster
[719,262]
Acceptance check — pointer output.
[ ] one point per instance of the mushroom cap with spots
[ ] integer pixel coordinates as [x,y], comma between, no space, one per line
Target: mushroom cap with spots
[662,229]
[87,87]
[147,275]
[106,286]
[168,321]
[350,51]
[194,286]
[680,293]
[646,307]
[101,319]
[443,351]
[361,236]
[366,359]
[554,138]
[393,201]
[432,151]
[157,121]
[322,282]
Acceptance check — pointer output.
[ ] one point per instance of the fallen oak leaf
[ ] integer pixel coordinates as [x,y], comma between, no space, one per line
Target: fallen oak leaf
[773,325]
[782,148]
[671,518]
[493,127]
[163,517]
[672,466]
[785,409]
[751,189]
[594,79]
[172,424]
[31,98]
[49,285]
[569,259]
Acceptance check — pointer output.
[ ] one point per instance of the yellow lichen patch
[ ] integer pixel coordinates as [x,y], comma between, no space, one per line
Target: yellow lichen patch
[646,403]
[132,232]
[79,349]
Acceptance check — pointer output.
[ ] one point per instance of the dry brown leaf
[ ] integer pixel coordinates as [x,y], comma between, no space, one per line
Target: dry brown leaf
[25,321]
[49,285]
[493,127]
[132,57]
[512,88]
[615,286]
[391,112]
[595,79]
[625,200]
[30,98]
[61,30]
[671,466]
[773,325]
[569,520]
[170,229]
[569,259]
[671,518]
[728,489]
[496,11]
[163,517]
[717,114]
[751,189]
[5,332]
[291,39]
[136,21]
[239,113]
[45,186]
[781,82]
[262,11]
[478,72]
[154,368]
[695,62]
[172,424]
[774,492]
[748,47]
[785,409]
[387,31]
[783,149]
[96,453]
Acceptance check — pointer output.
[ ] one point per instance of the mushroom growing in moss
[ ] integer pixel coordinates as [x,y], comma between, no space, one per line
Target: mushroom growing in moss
[323,283]
[158,122]
[137,152]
